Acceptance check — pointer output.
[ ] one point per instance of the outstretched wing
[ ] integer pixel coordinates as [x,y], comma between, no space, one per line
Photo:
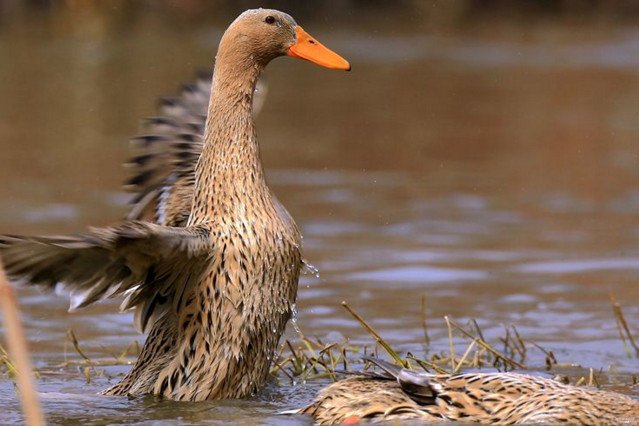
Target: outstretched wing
[152,265]
[165,157]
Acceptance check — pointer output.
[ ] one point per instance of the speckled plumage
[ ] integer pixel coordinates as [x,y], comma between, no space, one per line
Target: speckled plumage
[163,166]
[484,398]
[215,278]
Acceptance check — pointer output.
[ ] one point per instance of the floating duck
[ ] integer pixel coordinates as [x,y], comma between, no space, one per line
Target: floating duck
[483,398]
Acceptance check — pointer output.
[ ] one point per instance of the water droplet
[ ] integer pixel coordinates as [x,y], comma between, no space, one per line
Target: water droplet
[294,318]
[310,269]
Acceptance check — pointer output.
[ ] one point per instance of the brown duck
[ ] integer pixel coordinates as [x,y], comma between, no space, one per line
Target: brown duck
[484,398]
[216,289]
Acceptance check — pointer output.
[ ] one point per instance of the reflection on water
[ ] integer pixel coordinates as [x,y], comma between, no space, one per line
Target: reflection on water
[495,175]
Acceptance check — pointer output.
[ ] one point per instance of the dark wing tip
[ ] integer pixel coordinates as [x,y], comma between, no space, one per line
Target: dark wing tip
[390,370]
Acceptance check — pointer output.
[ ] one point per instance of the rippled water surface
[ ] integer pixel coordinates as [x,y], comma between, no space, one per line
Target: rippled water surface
[493,173]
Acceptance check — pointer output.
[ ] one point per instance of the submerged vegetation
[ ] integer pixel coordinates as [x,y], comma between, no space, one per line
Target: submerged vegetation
[312,358]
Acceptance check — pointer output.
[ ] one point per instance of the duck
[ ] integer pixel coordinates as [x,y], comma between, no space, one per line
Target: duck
[401,394]
[213,291]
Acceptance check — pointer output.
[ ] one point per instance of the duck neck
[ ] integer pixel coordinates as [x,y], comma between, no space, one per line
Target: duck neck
[229,169]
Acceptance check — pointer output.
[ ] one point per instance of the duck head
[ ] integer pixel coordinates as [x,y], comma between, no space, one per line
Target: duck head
[261,35]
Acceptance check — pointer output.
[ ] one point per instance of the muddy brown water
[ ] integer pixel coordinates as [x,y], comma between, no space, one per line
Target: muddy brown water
[494,172]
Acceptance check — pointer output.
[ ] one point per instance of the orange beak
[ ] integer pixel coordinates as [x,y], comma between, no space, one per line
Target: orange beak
[306,47]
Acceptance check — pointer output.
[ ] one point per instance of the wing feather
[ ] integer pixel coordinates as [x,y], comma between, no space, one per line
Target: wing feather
[147,263]
[164,160]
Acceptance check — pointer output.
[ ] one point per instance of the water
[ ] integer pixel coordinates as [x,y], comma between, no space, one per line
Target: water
[494,173]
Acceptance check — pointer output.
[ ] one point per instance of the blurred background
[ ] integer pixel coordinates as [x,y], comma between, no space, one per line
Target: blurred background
[482,155]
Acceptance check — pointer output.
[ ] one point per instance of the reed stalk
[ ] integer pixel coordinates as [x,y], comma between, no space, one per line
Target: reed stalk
[17,348]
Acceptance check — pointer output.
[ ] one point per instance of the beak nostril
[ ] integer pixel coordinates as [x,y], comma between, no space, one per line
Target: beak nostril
[306,47]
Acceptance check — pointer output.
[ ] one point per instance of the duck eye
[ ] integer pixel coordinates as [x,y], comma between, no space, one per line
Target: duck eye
[269,20]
